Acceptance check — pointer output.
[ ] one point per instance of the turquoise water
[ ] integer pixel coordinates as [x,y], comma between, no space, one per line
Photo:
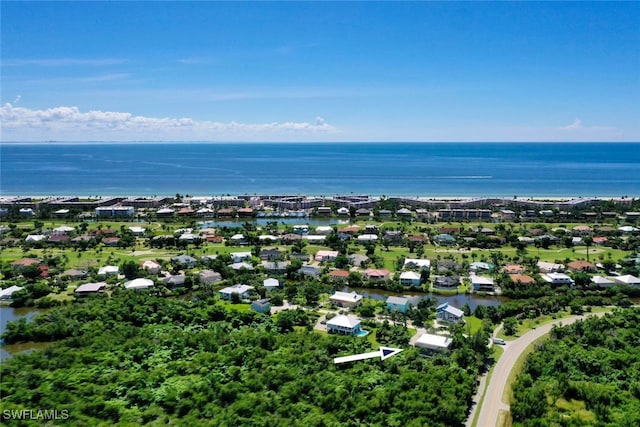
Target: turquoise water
[403,169]
[362,333]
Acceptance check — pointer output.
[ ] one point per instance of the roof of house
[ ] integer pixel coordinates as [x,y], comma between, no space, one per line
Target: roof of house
[236,289]
[339,273]
[411,275]
[480,280]
[9,291]
[345,321]
[581,265]
[451,310]
[423,263]
[109,269]
[139,283]
[627,279]
[433,341]
[271,282]
[91,287]
[375,272]
[261,302]
[241,265]
[599,280]
[397,300]
[522,278]
[25,262]
[345,296]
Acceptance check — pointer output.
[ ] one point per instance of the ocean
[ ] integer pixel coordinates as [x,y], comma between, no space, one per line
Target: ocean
[398,169]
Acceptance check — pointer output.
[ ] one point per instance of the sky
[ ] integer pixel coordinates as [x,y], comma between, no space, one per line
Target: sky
[320,71]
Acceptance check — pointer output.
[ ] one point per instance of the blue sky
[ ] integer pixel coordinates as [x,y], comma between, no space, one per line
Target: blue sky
[321,71]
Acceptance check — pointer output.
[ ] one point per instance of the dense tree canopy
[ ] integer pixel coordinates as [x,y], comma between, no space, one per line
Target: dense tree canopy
[135,359]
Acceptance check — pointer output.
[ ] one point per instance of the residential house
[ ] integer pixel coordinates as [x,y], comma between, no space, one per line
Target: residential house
[358,260]
[241,266]
[344,325]
[367,238]
[603,282]
[340,276]
[403,213]
[482,284]
[393,237]
[377,275]
[109,270]
[270,284]
[325,256]
[433,343]
[324,230]
[261,306]
[447,265]
[446,282]
[115,211]
[6,294]
[522,279]
[343,211]
[550,267]
[480,266]
[557,279]
[315,239]
[75,274]
[309,270]
[581,266]
[209,276]
[410,278]
[448,313]
[240,256]
[90,289]
[241,290]
[513,269]
[276,267]
[151,266]
[23,263]
[271,255]
[444,239]
[398,304]
[628,280]
[184,261]
[346,299]
[139,284]
[422,264]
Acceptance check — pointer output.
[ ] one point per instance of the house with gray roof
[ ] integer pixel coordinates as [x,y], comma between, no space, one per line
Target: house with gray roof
[398,304]
[448,313]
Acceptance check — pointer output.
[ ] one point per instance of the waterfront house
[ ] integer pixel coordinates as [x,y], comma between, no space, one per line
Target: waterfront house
[433,343]
[343,211]
[346,299]
[261,305]
[339,276]
[324,230]
[377,275]
[447,265]
[446,282]
[482,284]
[241,290]
[410,278]
[7,294]
[344,325]
[444,239]
[448,313]
[398,304]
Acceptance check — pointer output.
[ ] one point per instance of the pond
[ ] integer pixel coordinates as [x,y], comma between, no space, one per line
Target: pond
[10,314]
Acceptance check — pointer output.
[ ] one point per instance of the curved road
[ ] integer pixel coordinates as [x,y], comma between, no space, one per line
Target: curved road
[492,403]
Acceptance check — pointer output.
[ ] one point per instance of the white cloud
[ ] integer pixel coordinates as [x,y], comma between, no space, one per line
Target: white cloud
[577,124]
[579,131]
[71,124]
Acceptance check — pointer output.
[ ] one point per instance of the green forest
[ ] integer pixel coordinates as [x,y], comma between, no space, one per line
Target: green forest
[137,359]
[585,374]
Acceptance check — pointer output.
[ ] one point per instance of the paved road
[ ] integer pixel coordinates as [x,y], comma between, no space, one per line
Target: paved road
[493,403]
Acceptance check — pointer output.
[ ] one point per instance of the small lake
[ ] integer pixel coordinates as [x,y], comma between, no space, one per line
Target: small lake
[10,314]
